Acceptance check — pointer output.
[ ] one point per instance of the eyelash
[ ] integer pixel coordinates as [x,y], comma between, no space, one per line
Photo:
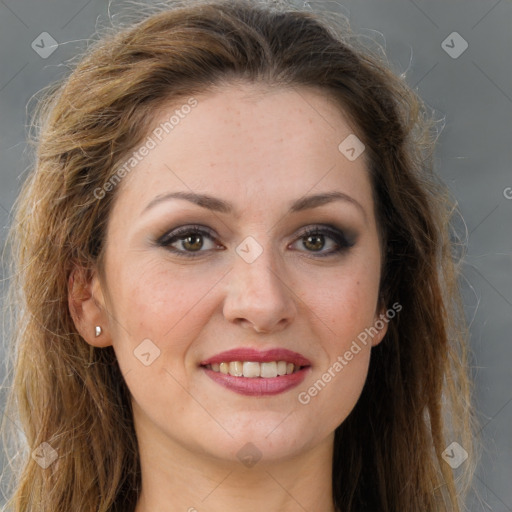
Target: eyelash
[179,234]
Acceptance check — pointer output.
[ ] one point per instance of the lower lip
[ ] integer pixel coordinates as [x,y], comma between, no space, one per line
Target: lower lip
[258,386]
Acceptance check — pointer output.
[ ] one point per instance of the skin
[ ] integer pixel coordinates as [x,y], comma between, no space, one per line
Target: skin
[259,149]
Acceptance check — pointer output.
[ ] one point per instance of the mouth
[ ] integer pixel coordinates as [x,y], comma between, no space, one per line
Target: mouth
[254,373]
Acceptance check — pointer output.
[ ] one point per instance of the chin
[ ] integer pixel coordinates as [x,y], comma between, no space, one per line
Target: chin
[266,438]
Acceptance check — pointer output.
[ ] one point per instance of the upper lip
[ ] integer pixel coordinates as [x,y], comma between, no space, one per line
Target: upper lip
[258,356]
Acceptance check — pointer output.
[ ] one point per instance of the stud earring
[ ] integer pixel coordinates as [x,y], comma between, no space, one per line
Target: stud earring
[97,330]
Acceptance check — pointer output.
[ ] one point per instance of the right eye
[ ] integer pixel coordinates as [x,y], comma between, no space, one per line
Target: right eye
[187,240]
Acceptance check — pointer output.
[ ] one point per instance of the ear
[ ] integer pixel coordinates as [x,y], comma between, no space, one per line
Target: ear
[380,322]
[87,307]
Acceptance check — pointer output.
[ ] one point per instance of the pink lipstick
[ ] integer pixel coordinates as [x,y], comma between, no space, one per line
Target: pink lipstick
[257,373]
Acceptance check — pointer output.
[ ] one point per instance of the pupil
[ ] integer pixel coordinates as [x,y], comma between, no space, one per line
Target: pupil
[193,242]
[317,241]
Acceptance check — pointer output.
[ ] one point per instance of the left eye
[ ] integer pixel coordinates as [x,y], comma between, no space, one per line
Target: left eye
[315,240]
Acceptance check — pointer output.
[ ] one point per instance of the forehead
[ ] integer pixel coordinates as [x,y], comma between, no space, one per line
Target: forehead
[244,140]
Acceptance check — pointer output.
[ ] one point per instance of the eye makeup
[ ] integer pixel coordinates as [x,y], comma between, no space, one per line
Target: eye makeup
[190,240]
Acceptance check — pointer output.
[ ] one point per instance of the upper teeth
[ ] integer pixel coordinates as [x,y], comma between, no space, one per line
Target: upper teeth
[253,369]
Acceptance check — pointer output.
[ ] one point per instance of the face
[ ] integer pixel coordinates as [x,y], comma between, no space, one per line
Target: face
[260,272]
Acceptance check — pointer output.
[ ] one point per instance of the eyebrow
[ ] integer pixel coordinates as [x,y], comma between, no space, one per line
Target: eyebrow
[221,206]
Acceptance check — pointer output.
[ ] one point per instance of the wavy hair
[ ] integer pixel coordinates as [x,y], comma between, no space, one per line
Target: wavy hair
[416,400]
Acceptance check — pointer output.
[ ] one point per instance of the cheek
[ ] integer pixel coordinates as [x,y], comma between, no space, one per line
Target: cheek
[347,305]
[154,297]
[152,302]
[345,300]
[348,311]
[331,395]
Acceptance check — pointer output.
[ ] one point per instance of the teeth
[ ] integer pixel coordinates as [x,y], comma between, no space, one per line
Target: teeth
[251,369]
[269,370]
[236,369]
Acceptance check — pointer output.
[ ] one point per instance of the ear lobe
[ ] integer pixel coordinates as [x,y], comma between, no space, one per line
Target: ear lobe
[87,307]
[381,324]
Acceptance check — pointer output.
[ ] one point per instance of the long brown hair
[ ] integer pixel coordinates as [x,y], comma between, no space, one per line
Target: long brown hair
[416,401]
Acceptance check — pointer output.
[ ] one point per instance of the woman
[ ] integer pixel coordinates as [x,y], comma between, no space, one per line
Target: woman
[233,207]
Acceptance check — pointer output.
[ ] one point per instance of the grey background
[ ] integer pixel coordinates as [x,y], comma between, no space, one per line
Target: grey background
[474,94]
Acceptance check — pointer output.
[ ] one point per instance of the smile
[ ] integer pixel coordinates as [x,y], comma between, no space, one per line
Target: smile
[255,373]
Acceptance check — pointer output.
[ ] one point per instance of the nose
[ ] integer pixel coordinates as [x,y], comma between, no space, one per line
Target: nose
[259,295]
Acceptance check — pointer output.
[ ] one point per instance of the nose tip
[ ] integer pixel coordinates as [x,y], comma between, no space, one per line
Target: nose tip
[253,324]
[258,297]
